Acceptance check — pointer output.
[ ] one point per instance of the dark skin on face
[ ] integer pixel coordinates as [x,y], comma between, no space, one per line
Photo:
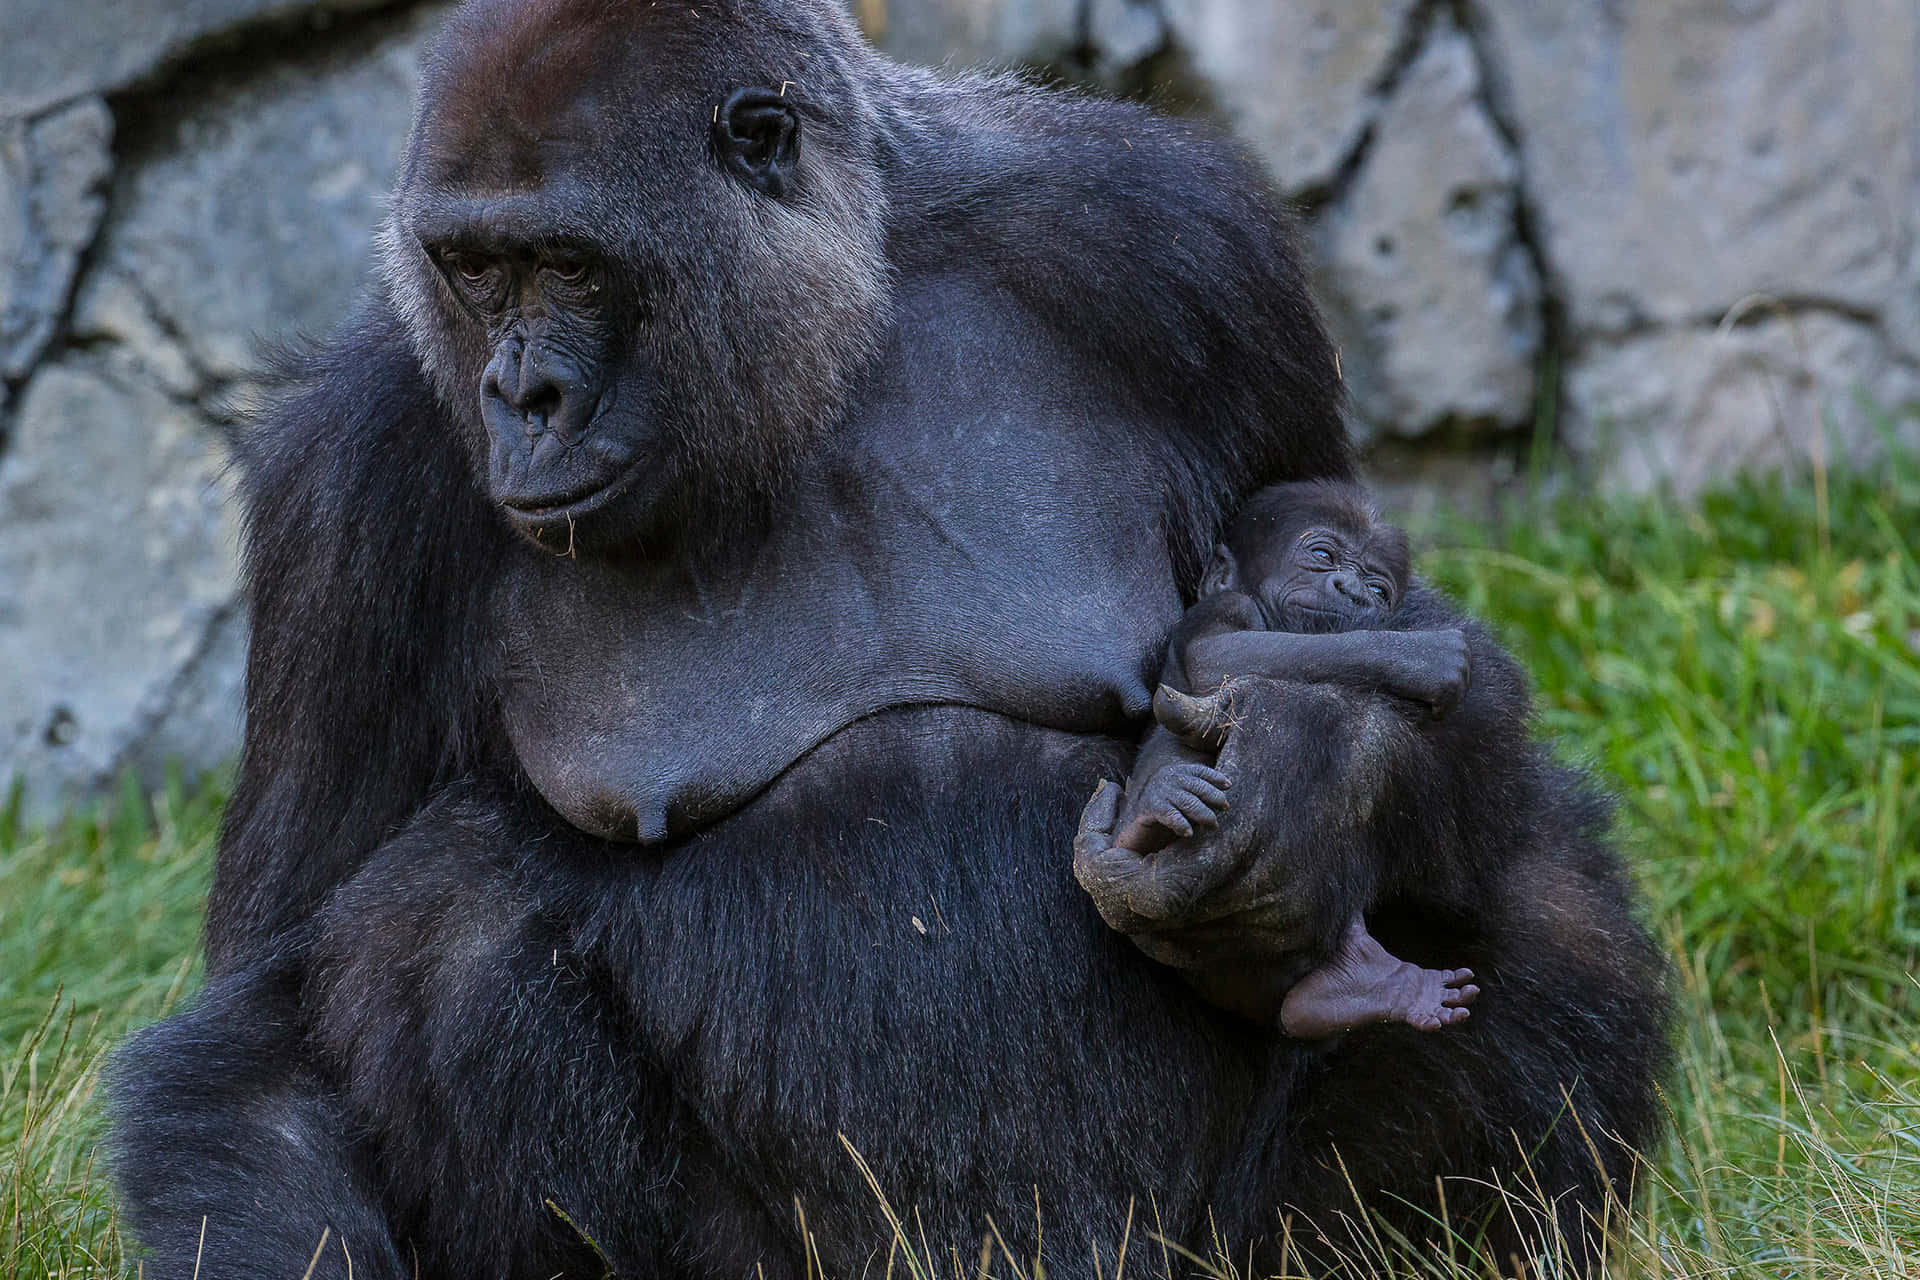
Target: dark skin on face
[569,431]
[1308,560]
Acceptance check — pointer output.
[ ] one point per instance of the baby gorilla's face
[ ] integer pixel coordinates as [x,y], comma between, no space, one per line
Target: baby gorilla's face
[1322,579]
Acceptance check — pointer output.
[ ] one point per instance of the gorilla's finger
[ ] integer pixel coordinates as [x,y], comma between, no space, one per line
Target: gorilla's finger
[1206,793]
[1097,819]
[1198,722]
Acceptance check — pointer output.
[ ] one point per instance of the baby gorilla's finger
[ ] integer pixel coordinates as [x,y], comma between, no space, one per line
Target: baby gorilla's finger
[1197,810]
[1205,792]
[1461,998]
[1173,820]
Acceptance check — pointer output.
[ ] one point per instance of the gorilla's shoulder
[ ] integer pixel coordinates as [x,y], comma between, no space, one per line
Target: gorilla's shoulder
[1153,244]
[350,440]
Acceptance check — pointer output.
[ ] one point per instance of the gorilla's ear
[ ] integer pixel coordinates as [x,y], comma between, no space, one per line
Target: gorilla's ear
[758,135]
[1223,572]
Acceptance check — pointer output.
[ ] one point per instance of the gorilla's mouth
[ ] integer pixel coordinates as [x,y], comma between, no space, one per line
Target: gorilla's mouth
[554,508]
[1315,618]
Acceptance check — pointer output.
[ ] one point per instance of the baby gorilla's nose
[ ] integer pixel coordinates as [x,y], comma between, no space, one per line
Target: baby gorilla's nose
[1350,586]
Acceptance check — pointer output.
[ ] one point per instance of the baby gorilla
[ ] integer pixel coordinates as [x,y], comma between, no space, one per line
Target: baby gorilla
[1309,560]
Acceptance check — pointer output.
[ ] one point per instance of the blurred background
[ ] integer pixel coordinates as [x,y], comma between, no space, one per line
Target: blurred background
[1629,244]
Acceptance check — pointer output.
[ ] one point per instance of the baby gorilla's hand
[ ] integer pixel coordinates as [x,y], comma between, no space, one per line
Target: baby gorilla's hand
[1177,801]
[1430,667]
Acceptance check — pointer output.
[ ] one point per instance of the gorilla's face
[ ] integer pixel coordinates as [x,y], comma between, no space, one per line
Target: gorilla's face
[643,287]
[566,418]
[1326,579]
[1314,557]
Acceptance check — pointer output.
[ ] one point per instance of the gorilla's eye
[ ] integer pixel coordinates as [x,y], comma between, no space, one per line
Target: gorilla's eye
[1380,590]
[569,270]
[1323,554]
[477,277]
[469,268]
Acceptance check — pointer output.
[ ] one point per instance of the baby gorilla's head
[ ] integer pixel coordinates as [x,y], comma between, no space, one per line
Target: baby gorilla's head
[1316,557]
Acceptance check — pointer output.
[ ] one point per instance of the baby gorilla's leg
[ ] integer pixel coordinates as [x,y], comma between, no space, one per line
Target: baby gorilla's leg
[1363,984]
[1178,800]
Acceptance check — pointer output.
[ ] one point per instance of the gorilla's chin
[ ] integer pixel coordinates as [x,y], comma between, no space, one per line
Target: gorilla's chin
[593,516]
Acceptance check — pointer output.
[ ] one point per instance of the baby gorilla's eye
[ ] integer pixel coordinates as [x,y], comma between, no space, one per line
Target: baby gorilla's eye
[1323,554]
[1380,590]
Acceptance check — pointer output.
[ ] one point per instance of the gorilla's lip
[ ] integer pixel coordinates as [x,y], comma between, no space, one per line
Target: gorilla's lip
[549,508]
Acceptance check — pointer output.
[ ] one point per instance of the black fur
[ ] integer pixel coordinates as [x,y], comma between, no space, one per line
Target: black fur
[887,403]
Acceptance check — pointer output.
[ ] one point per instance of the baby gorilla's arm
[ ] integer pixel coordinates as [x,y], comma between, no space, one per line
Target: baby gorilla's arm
[1432,668]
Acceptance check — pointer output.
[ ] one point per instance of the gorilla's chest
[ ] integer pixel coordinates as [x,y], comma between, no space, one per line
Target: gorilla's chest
[972,539]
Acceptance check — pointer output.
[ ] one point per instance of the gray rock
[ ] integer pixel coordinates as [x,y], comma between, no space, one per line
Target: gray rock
[1685,156]
[250,214]
[1298,81]
[1431,294]
[115,567]
[53,175]
[971,32]
[1124,33]
[111,307]
[52,50]
[1688,407]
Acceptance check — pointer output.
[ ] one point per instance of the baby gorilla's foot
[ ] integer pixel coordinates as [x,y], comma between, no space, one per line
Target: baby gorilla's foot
[1177,801]
[1364,984]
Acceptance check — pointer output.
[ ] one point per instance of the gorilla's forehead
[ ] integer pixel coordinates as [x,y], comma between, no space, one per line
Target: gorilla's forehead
[518,91]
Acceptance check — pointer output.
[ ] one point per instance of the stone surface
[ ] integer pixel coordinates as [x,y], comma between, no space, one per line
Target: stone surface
[1431,293]
[115,567]
[1298,81]
[52,50]
[971,32]
[53,175]
[1691,406]
[251,213]
[1686,155]
[1124,33]
[111,310]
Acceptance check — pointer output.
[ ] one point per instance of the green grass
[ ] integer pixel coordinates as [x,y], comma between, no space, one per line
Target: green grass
[1743,671]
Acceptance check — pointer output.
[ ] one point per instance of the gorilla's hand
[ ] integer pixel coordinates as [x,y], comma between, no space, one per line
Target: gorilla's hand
[1433,668]
[1138,891]
[1244,909]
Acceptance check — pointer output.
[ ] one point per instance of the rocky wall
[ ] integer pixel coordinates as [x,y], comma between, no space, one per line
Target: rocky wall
[1680,236]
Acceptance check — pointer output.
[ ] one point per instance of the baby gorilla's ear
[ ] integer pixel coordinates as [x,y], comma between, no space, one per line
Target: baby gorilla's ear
[1223,572]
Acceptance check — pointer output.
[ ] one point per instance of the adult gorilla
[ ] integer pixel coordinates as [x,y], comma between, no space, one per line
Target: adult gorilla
[691,606]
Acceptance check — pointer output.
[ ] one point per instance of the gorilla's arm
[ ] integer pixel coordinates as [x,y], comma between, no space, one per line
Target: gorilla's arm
[367,555]
[1157,247]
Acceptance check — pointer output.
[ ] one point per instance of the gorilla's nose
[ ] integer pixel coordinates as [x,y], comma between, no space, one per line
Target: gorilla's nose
[538,396]
[1350,586]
